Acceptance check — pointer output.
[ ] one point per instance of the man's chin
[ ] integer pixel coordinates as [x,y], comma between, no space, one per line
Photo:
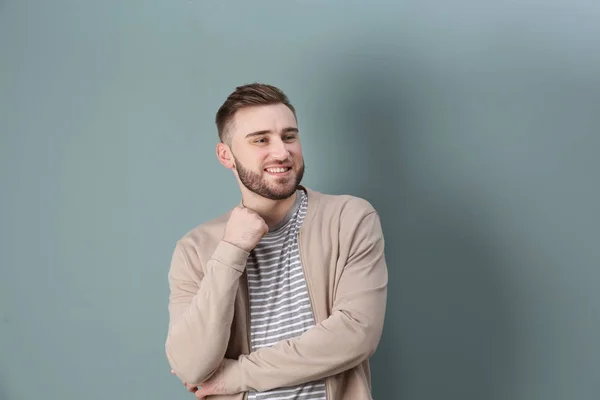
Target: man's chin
[281,193]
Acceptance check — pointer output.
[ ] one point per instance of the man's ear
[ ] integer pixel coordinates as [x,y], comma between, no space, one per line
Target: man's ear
[224,155]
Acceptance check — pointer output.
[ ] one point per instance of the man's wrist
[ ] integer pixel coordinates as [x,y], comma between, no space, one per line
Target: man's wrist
[231,255]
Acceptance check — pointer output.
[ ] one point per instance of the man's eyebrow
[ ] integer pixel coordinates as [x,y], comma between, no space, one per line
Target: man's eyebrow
[264,132]
[257,133]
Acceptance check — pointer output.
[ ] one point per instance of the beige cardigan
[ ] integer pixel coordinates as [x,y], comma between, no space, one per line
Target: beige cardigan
[342,251]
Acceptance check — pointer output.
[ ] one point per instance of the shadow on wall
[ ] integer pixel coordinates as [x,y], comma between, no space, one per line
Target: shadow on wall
[448,331]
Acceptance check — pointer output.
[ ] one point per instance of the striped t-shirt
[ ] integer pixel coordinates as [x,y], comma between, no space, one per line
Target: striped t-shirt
[280,307]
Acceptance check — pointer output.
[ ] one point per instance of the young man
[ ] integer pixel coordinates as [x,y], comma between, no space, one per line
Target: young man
[284,296]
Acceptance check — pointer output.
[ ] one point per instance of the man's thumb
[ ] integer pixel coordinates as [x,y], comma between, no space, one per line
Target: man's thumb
[201,393]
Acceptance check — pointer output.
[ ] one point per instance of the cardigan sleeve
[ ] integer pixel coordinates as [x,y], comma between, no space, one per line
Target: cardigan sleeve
[201,308]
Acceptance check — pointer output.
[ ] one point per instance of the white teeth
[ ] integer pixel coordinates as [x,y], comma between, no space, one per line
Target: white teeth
[276,170]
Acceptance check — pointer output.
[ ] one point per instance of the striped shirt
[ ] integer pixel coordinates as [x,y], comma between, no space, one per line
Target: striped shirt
[280,307]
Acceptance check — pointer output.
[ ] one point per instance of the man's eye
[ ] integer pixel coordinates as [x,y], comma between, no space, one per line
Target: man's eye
[261,140]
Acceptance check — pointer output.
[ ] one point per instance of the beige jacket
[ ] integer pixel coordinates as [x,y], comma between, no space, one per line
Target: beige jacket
[342,251]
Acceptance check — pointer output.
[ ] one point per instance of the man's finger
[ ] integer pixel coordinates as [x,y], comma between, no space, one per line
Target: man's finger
[203,392]
[191,388]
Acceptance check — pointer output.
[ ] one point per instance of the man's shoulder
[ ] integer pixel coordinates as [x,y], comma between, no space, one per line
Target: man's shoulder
[345,204]
[206,233]
[344,215]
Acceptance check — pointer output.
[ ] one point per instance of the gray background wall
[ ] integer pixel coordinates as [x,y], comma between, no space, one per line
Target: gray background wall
[473,127]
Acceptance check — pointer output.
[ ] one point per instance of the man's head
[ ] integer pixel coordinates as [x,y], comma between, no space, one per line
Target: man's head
[258,133]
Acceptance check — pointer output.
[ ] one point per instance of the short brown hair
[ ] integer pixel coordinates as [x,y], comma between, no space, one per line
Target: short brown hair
[254,94]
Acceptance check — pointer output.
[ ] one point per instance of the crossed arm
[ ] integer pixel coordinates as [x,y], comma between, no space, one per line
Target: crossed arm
[201,316]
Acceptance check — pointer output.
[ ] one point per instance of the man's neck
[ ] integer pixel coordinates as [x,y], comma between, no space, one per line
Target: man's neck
[272,211]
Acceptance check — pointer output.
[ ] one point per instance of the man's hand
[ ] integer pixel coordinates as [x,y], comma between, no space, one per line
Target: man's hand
[214,385]
[245,228]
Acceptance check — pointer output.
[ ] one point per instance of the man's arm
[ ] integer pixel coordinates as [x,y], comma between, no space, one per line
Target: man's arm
[201,307]
[348,337]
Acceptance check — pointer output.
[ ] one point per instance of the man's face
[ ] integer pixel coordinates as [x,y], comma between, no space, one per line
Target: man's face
[266,150]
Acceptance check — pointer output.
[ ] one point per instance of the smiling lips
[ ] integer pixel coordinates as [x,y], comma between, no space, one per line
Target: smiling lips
[278,170]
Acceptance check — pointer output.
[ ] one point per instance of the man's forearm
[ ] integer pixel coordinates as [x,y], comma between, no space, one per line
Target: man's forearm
[201,310]
[318,353]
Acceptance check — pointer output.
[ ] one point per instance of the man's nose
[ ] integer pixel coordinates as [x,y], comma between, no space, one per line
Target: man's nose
[279,150]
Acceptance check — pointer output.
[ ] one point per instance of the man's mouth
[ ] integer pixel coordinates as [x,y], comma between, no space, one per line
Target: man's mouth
[278,170]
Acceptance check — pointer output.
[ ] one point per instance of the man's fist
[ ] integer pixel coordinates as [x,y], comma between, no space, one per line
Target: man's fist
[245,228]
